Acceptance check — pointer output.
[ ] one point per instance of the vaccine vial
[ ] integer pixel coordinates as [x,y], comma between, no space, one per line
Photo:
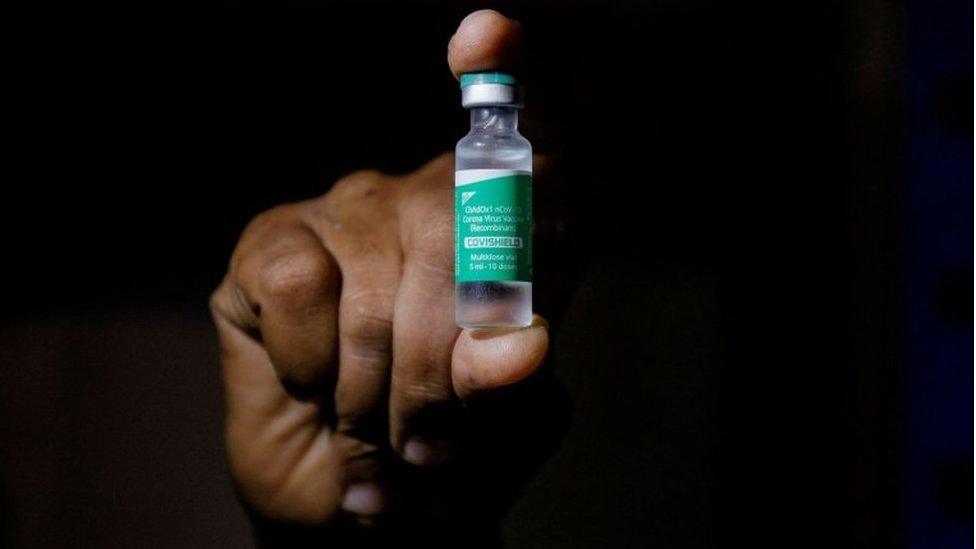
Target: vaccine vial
[493,208]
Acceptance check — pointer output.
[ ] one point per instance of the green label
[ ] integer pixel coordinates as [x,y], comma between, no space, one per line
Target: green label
[493,225]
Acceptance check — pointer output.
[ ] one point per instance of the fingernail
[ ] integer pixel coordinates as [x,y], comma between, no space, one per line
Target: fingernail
[425,453]
[364,498]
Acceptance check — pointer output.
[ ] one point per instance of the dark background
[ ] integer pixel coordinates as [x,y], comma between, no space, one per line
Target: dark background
[771,342]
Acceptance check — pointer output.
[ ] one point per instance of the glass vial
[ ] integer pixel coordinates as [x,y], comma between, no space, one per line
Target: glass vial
[493,208]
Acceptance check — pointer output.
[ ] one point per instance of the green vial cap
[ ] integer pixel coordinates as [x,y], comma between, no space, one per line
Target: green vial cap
[471,78]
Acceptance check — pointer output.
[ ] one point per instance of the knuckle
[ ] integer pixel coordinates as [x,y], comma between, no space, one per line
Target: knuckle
[268,220]
[295,278]
[434,268]
[358,185]
[268,231]
[438,231]
[357,204]
[217,301]
[420,393]
[228,303]
[366,322]
[433,245]
[369,302]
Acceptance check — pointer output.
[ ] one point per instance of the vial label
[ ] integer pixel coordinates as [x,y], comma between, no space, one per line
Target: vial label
[492,225]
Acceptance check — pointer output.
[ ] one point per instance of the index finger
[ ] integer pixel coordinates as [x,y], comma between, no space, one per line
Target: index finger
[484,41]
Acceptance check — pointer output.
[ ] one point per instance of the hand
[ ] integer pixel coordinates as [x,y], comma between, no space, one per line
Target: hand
[352,397]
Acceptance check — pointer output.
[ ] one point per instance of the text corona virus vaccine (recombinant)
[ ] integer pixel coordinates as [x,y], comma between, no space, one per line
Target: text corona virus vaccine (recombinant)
[492,208]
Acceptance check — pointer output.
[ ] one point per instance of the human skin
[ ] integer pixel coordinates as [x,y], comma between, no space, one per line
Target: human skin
[353,401]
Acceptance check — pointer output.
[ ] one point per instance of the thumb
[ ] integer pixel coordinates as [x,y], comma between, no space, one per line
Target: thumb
[485,41]
[488,359]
